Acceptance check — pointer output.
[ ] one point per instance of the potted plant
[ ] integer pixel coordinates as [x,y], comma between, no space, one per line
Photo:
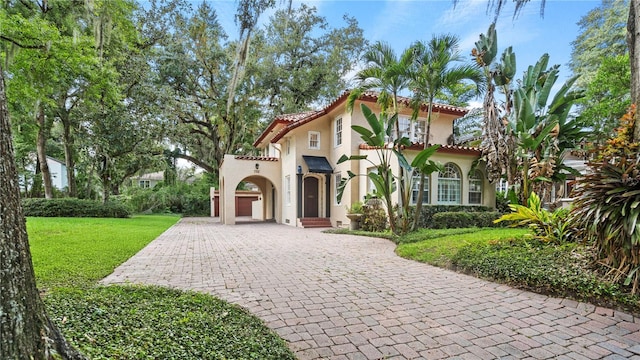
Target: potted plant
[354,213]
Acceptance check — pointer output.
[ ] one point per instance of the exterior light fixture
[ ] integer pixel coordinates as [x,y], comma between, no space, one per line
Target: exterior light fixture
[257,166]
[299,169]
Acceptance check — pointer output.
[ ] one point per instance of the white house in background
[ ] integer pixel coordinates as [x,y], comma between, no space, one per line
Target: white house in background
[148,180]
[298,173]
[58,171]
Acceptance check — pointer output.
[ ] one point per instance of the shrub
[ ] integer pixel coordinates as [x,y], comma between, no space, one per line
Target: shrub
[607,204]
[546,226]
[374,217]
[428,211]
[464,219]
[180,198]
[69,207]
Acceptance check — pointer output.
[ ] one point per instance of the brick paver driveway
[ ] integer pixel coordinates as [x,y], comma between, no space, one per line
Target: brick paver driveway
[347,297]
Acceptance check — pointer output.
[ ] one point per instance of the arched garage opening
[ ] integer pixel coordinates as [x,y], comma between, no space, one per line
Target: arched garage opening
[264,173]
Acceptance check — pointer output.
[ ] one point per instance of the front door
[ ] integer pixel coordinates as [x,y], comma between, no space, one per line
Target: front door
[310,197]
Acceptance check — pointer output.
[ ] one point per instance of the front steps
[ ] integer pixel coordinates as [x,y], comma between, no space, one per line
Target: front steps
[315,223]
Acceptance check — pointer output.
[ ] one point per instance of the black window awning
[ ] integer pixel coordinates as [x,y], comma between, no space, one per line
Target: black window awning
[318,164]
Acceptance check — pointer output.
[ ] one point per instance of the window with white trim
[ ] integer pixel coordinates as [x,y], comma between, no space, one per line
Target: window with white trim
[413,130]
[475,188]
[337,180]
[287,146]
[502,186]
[287,189]
[405,127]
[145,184]
[314,140]
[449,186]
[337,132]
[415,189]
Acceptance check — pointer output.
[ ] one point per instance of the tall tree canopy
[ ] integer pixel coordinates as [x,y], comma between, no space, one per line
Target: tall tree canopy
[602,34]
[297,61]
[302,62]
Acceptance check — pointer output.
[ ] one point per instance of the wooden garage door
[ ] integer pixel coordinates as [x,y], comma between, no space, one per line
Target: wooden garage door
[243,205]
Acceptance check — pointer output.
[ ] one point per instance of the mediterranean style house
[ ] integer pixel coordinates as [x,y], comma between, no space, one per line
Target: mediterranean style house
[297,173]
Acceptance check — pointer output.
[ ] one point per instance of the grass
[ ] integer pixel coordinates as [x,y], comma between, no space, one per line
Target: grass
[134,322]
[81,251]
[384,235]
[440,245]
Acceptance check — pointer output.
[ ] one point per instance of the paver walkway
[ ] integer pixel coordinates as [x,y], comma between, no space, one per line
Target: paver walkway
[346,297]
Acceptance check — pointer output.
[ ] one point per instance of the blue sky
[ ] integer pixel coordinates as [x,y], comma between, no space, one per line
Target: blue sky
[401,22]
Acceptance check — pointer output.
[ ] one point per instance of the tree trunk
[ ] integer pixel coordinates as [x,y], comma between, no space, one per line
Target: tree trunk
[25,329]
[42,154]
[418,212]
[36,185]
[633,41]
[67,139]
[105,179]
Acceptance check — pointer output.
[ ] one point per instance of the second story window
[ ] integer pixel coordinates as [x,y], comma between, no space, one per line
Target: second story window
[338,132]
[287,147]
[314,140]
[413,130]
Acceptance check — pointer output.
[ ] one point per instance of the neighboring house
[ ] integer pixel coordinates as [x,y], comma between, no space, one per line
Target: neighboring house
[298,173]
[148,180]
[58,170]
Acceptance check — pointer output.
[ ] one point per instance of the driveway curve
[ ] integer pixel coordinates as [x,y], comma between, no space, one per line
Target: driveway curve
[347,297]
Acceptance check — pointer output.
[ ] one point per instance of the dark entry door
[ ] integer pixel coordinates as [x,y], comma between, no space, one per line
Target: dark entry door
[310,197]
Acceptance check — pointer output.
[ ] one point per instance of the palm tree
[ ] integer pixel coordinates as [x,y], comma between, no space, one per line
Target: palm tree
[435,71]
[387,74]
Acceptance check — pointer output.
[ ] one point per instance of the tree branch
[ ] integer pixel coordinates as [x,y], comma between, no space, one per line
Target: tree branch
[18,44]
[198,162]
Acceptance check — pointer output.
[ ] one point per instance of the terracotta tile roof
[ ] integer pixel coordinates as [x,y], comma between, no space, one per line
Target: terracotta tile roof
[450,149]
[298,116]
[255,158]
[371,96]
[292,121]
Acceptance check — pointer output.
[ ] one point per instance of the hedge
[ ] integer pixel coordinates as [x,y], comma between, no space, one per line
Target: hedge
[69,207]
[428,211]
[464,219]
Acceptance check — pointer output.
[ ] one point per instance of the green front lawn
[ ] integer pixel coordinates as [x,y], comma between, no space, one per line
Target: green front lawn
[81,251]
[134,322]
[507,255]
[439,246]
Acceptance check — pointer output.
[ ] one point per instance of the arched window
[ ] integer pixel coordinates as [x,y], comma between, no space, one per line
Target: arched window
[475,187]
[449,187]
[415,189]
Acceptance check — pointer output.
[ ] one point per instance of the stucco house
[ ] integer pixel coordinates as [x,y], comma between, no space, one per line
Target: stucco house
[148,180]
[298,171]
[58,170]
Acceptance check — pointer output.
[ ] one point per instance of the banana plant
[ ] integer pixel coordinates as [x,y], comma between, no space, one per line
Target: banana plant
[542,132]
[497,144]
[378,136]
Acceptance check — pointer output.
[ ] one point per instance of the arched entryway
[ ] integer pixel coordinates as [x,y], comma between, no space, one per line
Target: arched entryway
[264,173]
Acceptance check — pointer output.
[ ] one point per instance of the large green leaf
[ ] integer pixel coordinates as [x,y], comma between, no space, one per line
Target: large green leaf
[424,155]
[376,126]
